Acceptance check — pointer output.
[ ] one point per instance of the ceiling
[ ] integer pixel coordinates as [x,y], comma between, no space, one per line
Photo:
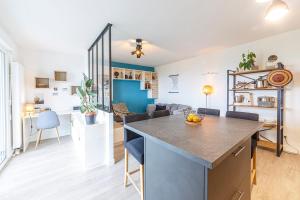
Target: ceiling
[173,29]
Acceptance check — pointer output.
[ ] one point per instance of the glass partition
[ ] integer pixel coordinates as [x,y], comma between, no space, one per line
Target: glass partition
[99,55]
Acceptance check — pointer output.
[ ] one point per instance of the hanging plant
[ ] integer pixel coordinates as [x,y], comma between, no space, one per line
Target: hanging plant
[248,61]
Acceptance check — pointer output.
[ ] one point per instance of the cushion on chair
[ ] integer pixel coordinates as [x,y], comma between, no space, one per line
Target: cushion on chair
[130,135]
[136,148]
[120,109]
[209,111]
[242,115]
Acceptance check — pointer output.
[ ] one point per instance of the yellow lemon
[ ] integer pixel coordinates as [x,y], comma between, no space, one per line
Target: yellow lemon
[190,118]
[196,119]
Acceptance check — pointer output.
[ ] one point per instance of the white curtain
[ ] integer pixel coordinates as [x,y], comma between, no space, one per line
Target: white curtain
[5,127]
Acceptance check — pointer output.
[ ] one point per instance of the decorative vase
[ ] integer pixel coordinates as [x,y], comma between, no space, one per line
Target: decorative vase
[116,74]
[36,100]
[90,118]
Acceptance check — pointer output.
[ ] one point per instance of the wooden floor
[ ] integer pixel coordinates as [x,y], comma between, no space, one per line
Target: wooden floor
[53,172]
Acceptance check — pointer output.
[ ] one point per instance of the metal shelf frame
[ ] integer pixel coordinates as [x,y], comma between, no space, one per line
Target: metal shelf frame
[232,78]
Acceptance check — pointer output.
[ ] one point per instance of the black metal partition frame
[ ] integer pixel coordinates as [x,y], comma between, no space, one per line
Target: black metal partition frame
[100,68]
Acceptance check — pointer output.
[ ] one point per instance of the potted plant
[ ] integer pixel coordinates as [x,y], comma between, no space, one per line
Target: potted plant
[248,62]
[87,98]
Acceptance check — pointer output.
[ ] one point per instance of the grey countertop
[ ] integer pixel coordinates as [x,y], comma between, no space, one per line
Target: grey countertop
[207,144]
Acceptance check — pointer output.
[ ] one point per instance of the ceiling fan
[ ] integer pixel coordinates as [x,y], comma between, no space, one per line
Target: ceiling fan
[138,50]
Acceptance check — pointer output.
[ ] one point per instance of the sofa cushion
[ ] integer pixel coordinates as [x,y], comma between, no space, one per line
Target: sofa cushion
[173,107]
[182,107]
[150,109]
[160,107]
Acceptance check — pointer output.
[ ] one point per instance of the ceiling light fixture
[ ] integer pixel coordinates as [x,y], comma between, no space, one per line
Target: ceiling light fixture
[276,10]
[138,50]
[262,1]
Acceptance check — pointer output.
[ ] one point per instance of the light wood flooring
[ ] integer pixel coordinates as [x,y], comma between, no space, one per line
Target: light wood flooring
[53,172]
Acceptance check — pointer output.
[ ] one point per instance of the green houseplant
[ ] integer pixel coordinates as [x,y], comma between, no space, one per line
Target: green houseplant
[87,98]
[247,62]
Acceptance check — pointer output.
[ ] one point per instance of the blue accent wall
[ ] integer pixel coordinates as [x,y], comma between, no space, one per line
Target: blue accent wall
[129,92]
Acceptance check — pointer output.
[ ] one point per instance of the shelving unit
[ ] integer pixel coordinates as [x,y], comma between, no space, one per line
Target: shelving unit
[148,80]
[232,91]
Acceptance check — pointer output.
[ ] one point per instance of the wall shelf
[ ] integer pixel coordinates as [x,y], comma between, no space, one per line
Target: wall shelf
[250,72]
[249,89]
[148,80]
[232,77]
[252,106]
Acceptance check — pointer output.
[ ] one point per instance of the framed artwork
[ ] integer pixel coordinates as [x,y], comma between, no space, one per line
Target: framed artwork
[60,76]
[73,90]
[173,83]
[42,82]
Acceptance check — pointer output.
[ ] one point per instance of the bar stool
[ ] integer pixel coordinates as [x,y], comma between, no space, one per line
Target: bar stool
[134,144]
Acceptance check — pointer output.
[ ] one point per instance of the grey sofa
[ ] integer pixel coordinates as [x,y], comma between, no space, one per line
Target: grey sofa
[173,108]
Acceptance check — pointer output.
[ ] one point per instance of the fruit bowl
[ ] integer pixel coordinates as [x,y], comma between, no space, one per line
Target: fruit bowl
[193,123]
[193,119]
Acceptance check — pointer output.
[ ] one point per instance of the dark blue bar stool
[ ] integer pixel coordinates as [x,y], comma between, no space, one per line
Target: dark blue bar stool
[208,111]
[254,138]
[134,144]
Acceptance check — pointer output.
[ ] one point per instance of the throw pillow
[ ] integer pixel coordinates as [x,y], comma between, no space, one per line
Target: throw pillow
[159,107]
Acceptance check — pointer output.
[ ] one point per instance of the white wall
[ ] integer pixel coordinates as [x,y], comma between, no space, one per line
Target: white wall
[193,75]
[43,64]
[7,43]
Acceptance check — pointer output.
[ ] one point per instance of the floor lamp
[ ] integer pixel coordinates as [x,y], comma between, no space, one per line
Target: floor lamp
[207,90]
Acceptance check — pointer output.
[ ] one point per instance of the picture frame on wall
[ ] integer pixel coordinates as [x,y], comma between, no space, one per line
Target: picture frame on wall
[173,83]
[74,89]
[60,76]
[41,82]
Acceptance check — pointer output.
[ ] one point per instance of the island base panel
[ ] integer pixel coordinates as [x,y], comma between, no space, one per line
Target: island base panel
[168,175]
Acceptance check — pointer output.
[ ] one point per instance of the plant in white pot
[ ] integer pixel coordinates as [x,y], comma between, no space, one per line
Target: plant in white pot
[248,62]
[87,97]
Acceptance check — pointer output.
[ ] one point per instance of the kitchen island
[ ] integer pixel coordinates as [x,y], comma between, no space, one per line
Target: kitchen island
[211,161]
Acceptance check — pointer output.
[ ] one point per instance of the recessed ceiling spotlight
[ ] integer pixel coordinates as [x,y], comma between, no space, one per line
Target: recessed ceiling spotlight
[138,50]
[262,1]
[276,10]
